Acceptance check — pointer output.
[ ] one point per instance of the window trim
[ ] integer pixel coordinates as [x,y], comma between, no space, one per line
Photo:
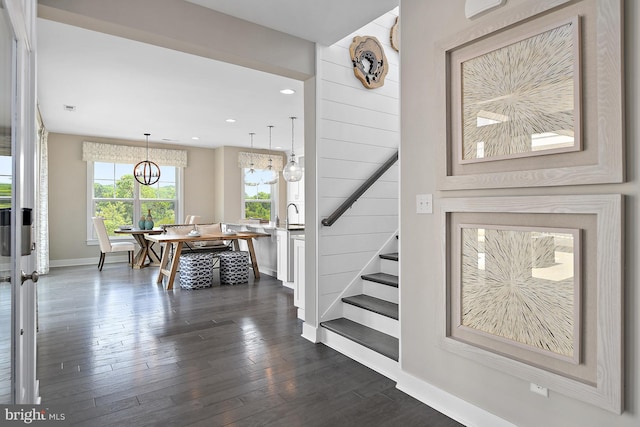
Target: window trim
[90,200]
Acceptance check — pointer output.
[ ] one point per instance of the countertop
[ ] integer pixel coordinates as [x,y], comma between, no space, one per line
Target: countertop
[293,227]
[267,226]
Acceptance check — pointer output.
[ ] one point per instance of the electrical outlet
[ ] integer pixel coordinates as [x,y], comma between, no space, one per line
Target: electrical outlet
[538,389]
[424,203]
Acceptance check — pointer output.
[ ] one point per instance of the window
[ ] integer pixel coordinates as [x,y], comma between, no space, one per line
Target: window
[5,181]
[259,200]
[117,197]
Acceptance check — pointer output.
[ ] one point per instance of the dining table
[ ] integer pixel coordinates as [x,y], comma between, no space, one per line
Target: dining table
[169,264]
[146,247]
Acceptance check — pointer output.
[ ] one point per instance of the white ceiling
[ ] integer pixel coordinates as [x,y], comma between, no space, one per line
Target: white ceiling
[321,21]
[123,88]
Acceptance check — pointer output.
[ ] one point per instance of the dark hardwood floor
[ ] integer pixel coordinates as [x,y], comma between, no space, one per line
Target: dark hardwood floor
[115,349]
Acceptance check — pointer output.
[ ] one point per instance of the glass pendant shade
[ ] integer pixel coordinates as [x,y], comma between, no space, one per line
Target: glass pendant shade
[251,177]
[146,172]
[271,178]
[292,172]
[272,175]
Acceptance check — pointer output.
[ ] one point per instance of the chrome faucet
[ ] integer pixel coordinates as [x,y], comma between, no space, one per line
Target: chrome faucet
[286,222]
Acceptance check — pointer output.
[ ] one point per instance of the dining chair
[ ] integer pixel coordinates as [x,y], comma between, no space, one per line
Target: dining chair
[106,246]
[192,219]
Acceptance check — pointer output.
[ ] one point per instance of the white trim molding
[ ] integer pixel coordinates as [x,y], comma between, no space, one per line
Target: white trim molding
[606,391]
[310,333]
[74,262]
[450,405]
[602,98]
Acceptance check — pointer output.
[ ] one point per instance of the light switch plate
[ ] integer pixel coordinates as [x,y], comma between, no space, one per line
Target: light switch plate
[424,203]
[538,389]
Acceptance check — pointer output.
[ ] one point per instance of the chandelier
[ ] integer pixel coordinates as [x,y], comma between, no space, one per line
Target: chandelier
[146,172]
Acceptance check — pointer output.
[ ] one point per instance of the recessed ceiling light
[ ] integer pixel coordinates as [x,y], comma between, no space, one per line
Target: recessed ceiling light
[278,147]
[195,138]
[287,91]
[230,120]
[69,107]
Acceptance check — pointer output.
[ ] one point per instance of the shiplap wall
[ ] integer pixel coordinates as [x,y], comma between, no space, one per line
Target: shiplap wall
[358,130]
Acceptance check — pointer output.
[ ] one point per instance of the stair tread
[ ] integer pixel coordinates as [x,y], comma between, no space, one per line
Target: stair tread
[375,340]
[383,278]
[376,305]
[393,256]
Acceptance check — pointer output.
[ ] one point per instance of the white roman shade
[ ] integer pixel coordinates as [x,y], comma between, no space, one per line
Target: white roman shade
[99,152]
[260,161]
[5,145]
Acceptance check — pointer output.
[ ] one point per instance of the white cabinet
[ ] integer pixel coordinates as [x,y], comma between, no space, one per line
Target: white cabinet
[295,191]
[298,276]
[282,243]
[285,255]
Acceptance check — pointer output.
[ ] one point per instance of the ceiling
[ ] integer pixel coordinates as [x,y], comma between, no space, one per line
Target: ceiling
[324,22]
[122,89]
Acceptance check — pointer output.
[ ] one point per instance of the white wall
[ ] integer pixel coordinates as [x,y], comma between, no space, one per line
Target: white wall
[357,131]
[423,24]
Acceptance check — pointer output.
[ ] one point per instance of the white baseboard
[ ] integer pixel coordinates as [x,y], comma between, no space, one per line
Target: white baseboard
[112,259]
[310,333]
[450,405]
[267,271]
[72,262]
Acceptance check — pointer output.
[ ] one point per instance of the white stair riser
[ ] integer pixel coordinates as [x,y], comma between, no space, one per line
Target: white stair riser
[373,320]
[388,266]
[378,290]
[379,363]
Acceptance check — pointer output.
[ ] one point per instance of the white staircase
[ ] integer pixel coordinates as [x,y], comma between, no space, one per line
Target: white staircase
[369,329]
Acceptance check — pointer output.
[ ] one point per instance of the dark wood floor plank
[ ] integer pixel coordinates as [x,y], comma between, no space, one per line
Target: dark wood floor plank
[91,413]
[115,349]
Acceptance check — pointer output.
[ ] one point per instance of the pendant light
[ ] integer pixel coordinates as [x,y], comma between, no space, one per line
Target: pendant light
[292,172]
[272,174]
[146,172]
[250,178]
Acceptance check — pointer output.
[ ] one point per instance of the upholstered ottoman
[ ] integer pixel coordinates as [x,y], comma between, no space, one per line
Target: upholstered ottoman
[196,270]
[234,267]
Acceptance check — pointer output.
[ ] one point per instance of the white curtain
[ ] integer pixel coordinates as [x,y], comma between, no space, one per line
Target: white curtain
[42,199]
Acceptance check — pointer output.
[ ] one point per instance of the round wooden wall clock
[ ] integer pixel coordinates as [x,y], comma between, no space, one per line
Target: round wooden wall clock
[395,42]
[369,61]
